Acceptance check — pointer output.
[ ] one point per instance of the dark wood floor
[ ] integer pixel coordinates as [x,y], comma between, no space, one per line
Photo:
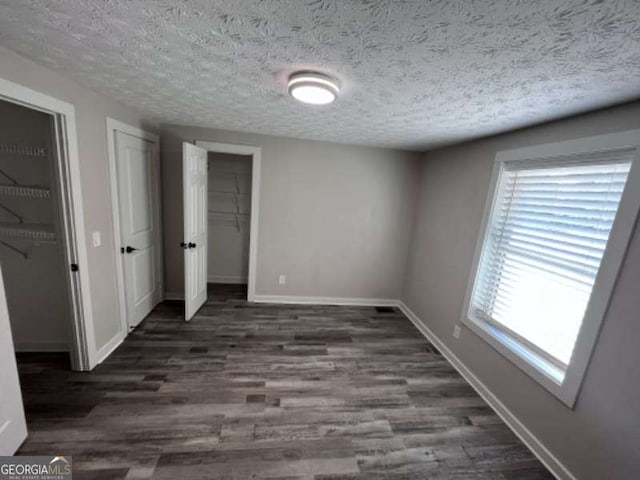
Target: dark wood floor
[269,392]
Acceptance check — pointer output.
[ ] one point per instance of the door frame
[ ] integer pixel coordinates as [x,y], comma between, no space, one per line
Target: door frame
[114,126]
[83,352]
[256,158]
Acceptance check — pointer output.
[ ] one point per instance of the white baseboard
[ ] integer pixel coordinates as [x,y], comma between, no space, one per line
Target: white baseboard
[364,302]
[234,279]
[524,434]
[29,347]
[108,348]
[174,295]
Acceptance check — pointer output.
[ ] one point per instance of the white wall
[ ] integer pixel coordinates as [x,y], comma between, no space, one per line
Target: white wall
[91,112]
[35,288]
[599,438]
[335,219]
[228,255]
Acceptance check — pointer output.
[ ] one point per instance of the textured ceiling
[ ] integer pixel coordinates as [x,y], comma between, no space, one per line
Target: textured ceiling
[415,73]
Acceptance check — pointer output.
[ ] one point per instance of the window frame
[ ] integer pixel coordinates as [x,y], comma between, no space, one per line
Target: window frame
[525,356]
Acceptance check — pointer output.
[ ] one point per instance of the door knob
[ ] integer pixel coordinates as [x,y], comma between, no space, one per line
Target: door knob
[192,245]
[130,249]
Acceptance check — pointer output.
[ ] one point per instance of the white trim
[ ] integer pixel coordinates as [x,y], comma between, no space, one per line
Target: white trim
[234,279]
[108,348]
[174,295]
[83,348]
[549,460]
[365,302]
[113,126]
[627,139]
[256,155]
[27,347]
[567,390]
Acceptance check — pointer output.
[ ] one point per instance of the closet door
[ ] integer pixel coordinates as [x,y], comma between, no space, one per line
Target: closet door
[194,173]
[136,181]
[13,426]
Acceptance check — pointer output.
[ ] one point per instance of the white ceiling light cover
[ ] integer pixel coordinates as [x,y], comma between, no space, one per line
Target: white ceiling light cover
[313,88]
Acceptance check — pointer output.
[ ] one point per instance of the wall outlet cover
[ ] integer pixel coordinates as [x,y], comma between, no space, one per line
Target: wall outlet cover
[97,240]
[282,279]
[456,331]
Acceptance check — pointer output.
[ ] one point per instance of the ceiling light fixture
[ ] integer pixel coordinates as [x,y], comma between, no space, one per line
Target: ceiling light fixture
[314,88]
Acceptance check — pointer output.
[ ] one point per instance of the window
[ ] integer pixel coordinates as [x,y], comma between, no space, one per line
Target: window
[544,249]
[557,225]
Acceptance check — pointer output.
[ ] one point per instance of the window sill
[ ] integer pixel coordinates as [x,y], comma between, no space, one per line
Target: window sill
[535,366]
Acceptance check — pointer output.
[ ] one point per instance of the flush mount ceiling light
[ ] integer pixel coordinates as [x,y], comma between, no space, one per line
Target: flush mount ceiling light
[314,88]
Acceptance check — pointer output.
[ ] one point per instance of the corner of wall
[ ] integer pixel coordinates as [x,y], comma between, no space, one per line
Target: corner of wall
[417,195]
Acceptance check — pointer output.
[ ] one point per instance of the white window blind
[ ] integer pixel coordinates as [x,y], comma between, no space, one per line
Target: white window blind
[549,229]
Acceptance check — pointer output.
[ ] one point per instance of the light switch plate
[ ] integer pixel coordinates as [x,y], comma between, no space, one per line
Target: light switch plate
[97,240]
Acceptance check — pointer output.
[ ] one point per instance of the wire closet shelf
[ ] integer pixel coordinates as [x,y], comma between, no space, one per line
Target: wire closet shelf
[19,230]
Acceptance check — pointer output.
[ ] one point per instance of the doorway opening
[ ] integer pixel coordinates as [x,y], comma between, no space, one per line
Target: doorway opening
[31,251]
[228,222]
[45,301]
[43,322]
[233,180]
[38,254]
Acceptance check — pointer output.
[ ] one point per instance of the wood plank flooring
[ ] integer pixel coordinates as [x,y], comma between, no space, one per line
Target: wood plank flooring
[269,392]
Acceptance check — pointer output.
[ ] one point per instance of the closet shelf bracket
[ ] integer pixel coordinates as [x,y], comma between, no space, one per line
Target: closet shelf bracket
[8,177]
[23,254]
[12,213]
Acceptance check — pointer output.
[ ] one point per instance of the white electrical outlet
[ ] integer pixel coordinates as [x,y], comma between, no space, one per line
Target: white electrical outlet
[282,279]
[456,331]
[97,240]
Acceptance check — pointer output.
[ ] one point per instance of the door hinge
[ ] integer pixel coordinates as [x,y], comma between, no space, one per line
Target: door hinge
[74,267]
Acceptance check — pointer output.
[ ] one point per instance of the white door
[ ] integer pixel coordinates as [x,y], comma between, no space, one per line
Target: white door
[194,174]
[135,163]
[13,426]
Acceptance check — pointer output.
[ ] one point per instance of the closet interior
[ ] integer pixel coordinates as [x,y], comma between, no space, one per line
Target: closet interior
[31,255]
[229,217]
